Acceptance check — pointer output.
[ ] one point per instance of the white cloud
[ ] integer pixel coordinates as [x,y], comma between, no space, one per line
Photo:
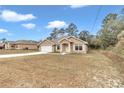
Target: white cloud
[29,25]
[11,16]
[3,30]
[56,24]
[77,6]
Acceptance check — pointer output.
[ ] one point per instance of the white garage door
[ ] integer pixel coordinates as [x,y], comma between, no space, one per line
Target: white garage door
[46,48]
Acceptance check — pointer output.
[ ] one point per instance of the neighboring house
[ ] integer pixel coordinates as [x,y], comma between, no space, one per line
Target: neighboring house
[21,45]
[2,45]
[68,44]
[10,45]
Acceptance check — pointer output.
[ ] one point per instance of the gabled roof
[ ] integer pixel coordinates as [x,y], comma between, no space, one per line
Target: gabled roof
[56,41]
[52,42]
[12,42]
[74,38]
[79,39]
[22,42]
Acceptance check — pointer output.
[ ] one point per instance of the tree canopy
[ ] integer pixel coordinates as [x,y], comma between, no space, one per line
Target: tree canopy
[108,35]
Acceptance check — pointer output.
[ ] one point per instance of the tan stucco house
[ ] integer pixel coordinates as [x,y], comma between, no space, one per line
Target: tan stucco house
[21,45]
[68,44]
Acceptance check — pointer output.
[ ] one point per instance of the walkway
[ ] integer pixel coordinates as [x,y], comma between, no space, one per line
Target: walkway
[20,55]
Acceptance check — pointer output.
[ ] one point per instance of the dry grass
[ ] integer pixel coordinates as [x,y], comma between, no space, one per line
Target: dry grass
[90,70]
[16,51]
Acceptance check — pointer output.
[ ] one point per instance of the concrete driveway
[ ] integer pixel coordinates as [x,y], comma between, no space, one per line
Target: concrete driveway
[22,54]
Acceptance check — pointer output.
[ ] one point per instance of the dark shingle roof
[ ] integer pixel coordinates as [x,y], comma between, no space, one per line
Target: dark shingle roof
[23,42]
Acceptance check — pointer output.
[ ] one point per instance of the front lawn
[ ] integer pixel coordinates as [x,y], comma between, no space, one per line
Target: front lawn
[53,70]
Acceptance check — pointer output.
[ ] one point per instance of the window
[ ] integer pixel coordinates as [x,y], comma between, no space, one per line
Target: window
[78,47]
[58,47]
[12,46]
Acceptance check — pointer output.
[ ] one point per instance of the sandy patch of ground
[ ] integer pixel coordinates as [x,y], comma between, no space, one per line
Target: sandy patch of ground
[71,70]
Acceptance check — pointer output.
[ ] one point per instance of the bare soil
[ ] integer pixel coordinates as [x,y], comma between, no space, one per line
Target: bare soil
[94,69]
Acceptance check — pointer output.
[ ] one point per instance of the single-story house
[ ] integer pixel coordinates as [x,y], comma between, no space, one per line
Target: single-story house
[10,45]
[2,45]
[68,44]
[21,45]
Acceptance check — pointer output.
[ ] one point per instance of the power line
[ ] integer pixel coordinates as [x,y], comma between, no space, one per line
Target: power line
[97,15]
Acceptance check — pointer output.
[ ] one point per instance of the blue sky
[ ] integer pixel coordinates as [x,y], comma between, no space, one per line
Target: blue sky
[36,22]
